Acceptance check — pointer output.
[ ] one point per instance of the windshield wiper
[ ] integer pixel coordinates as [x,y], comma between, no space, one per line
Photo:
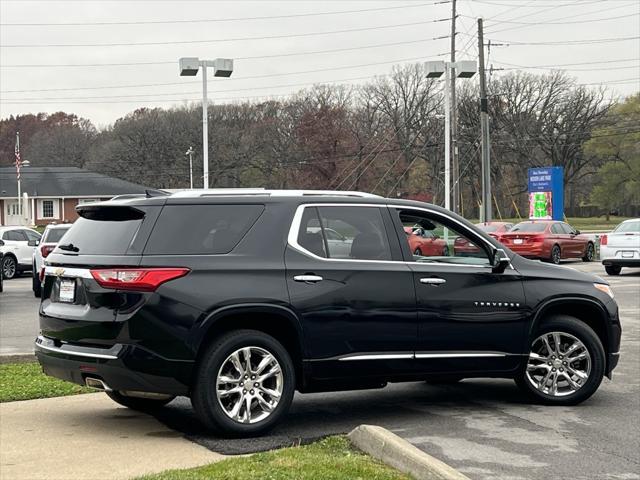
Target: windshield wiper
[69,247]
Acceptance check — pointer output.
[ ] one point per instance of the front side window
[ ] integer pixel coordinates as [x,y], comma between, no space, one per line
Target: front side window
[441,243]
[557,229]
[31,235]
[15,236]
[345,233]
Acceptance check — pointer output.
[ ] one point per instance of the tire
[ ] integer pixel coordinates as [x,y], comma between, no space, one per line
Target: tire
[418,252]
[138,403]
[9,267]
[445,252]
[218,362]
[569,329]
[556,255]
[36,285]
[590,253]
[613,269]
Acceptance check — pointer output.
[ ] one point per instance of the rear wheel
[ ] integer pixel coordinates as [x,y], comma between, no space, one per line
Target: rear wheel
[556,254]
[590,253]
[445,252]
[244,384]
[566,362]
[613,269]
[9,267]
[139,403]
[417,252]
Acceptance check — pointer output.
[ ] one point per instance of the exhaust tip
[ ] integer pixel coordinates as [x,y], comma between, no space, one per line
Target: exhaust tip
[96,383]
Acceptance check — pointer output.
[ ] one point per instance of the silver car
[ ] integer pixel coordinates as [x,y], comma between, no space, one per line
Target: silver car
[50,237]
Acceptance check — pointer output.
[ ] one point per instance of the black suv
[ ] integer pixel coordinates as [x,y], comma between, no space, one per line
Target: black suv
[238,298]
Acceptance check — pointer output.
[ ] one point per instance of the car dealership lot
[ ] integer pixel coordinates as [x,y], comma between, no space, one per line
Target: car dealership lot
[483,427]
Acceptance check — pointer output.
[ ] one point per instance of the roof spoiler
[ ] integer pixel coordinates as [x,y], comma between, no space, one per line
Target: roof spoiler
[114,213]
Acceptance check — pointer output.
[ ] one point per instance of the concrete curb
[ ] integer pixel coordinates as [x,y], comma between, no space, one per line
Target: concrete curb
[17,358]
[386,446]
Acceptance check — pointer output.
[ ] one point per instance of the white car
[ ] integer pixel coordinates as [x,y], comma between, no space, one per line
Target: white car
[19,243]
[621,247]
[50,238]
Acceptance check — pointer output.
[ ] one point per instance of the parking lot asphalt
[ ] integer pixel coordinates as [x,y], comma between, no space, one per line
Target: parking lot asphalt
[18,316]
[485,428]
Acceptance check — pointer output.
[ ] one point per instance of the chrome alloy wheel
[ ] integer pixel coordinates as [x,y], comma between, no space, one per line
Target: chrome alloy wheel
[249,384]
[559,364]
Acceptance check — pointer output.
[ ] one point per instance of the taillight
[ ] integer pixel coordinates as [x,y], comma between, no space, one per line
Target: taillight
[46,250]
[603,240]
[138,279]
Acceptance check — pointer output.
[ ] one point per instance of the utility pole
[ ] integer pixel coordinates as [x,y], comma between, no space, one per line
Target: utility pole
[454,116]
[486,213]
[190,154]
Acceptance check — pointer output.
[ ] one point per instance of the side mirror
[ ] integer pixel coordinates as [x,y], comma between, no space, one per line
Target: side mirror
[500,261]
[577,232]
[33,243]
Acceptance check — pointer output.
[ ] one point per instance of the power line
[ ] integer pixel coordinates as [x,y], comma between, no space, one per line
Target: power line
[220,40]
[570,22]
[268,75]
[255,57]
[218,20]
[570,42]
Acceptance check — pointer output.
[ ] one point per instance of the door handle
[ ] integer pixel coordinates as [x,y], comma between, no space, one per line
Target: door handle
[308,278]
[434,281]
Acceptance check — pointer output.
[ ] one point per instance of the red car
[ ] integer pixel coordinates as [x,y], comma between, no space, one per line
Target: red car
[462,246]
[426,243]
[548,240]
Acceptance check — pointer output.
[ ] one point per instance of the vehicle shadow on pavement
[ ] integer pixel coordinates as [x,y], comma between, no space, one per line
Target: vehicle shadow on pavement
[313,416]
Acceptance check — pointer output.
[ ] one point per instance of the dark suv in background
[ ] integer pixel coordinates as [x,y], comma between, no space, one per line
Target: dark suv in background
[238,298]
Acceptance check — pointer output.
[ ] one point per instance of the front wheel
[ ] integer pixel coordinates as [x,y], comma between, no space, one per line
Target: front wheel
[566,362]
[244,384]
[556,255]
[590,253]
[613,269]
[139,403]
[417,252]
[9,267]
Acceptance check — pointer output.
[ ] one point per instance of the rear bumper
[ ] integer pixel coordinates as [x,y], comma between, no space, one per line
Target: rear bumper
[621,262]
[121,367]
[531,251]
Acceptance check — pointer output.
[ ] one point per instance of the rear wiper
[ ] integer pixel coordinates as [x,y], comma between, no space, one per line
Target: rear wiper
[69,247]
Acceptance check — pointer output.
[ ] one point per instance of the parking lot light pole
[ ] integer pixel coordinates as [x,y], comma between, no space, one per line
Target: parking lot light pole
[190,154]
[222,67]
[461,69]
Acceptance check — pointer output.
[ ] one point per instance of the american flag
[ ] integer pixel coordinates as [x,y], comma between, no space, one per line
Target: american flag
[17,150]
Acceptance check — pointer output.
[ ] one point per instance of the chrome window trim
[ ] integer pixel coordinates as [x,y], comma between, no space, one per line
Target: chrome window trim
[67,272]
[46,344]
[292,238]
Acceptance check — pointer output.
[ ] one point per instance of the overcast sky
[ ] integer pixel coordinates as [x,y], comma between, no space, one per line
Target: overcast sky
[583,36]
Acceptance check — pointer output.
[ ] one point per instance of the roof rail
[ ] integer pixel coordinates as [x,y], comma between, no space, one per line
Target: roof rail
[238,192]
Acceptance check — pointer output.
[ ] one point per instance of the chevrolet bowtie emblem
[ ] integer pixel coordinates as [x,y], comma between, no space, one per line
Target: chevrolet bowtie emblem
[58,272]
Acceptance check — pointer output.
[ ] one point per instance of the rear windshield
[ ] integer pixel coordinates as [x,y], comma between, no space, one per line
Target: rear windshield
[201,229]
[54,235]
[628,227]
[529,227]
[100,237]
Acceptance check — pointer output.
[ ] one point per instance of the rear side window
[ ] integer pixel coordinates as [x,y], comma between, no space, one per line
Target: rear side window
[201,229]
[100,236]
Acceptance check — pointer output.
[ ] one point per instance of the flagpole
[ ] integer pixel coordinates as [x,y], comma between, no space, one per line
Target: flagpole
[17,151]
